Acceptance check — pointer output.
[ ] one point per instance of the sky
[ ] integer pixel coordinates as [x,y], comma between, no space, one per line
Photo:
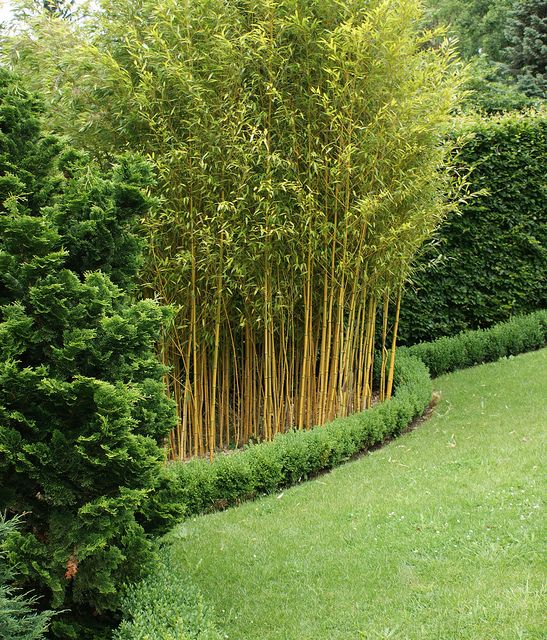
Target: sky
[4,10]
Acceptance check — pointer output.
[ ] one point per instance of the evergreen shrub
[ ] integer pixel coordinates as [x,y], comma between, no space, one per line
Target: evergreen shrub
[82,401]
[165,607]
[491,260]
[18,618]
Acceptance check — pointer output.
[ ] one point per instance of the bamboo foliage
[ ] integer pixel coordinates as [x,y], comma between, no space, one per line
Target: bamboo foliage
[301,165]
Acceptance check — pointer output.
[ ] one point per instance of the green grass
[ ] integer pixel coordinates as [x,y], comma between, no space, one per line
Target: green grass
[435,536]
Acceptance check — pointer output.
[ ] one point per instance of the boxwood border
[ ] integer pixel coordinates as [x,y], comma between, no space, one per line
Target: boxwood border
[198,486]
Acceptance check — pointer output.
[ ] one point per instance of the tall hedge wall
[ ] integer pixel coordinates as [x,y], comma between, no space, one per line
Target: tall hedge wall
[491,260]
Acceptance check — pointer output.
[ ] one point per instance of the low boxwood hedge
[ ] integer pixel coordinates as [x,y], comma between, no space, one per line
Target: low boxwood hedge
[198,486]
[520,334]
[165,609]
[293,456]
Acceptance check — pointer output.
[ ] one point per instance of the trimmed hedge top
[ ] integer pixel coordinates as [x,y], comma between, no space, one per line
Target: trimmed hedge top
[520,334]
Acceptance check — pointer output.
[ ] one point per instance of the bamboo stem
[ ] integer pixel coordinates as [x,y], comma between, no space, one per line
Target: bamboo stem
[394,345]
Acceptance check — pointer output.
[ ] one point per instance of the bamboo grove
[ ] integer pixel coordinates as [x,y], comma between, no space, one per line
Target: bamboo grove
[301,164]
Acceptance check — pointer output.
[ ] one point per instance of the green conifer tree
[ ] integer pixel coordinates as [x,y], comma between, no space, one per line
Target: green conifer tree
[18,619]
[82,403]
[527,53]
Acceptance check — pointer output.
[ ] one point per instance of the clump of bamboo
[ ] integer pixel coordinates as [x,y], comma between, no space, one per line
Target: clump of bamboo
[301,165]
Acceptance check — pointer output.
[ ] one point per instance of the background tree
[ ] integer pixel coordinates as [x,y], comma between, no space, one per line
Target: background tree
[492,36]
[61,8]
[527,51]
[82,402]
[65,9]
[479,25]
[491,88]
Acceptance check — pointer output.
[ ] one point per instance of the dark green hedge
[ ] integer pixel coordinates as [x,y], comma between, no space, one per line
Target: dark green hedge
[491,260]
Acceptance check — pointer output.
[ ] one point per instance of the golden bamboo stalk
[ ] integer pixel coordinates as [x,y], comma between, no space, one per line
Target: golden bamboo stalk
[394,345]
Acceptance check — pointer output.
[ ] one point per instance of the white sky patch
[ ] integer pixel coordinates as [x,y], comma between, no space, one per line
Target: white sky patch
[5,11]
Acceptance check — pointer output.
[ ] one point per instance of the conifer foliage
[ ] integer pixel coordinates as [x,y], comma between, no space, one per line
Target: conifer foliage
[18,620]
[82,404]
[527,52]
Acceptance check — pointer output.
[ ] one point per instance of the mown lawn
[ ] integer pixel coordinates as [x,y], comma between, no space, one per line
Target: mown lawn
[436,536]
